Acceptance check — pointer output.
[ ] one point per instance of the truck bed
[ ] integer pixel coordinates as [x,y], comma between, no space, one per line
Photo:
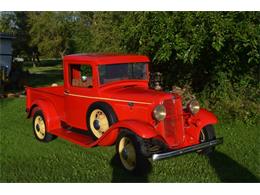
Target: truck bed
[53,95]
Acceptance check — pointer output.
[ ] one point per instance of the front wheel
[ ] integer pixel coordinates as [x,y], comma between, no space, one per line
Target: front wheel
[207,134]
[128,148]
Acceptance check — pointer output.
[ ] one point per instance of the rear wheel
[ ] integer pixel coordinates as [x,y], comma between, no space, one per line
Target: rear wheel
[207,134]
[128,148]
[98,123]
[40,128]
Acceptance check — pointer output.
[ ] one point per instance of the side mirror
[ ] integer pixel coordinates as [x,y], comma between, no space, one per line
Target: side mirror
[84,78]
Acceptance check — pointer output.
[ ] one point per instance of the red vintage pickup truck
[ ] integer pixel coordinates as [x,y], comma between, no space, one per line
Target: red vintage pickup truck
[106,100]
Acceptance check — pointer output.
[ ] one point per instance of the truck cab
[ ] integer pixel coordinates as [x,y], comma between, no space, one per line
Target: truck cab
[97,78]
[106,100]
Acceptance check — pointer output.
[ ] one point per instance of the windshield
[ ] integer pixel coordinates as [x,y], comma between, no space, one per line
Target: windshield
[117,72]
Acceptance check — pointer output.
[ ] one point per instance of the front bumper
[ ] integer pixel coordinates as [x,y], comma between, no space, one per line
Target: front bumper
[185,150]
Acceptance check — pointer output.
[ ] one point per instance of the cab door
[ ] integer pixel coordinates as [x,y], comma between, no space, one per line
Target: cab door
[78,94]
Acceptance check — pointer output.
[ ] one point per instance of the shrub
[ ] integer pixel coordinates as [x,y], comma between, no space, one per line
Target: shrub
[231,99]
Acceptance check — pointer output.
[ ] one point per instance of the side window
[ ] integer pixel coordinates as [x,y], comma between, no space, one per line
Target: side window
[81,75]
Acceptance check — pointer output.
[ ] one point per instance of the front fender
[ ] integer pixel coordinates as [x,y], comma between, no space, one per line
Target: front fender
[143,130]
[51,117]
[202,119]
[205,118]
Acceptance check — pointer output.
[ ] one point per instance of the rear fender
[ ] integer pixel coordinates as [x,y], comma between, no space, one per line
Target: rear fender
[143,130]
[51,117]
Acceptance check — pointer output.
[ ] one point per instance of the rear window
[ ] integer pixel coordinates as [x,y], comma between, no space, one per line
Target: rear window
[81,75]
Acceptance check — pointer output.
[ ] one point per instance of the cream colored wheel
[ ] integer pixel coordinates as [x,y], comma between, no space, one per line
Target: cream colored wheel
[39,127]
[127,153]
[98,123]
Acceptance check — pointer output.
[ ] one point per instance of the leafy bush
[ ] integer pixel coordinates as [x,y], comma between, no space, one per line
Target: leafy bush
[233,100]
[217,53]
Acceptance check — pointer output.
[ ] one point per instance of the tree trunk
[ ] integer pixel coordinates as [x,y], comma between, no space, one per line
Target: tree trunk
[62,53]
[37,58]
[33,62]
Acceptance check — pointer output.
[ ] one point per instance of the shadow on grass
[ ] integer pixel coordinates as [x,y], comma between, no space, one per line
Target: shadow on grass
[52,72]
[229,170]
[45,77]
[122,176]
[37,80]
[50,62]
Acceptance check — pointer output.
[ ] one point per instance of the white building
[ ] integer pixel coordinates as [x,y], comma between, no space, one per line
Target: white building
[6,51]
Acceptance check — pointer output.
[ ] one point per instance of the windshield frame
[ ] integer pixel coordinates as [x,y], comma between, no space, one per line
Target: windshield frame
[124,80]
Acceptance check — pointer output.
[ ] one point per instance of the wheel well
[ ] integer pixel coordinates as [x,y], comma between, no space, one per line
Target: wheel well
[31,110]
[101,103]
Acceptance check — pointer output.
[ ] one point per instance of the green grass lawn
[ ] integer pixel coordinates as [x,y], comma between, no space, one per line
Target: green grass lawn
[24,159]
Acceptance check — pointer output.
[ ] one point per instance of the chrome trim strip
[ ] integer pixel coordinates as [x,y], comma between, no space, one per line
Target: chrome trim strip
[187,149]
[109,99]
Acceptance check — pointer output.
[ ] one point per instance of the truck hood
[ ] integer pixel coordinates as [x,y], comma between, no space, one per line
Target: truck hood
[136,94]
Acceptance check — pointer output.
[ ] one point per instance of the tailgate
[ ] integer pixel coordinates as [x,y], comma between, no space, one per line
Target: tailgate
[28,98]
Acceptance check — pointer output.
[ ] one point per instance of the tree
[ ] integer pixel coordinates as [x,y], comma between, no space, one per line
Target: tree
[52,32]
[81,32]
[16,23]
[7,22]
[217,53]
[105,31]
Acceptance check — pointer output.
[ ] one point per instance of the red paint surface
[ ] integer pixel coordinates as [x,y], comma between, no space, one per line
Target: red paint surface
[70,104]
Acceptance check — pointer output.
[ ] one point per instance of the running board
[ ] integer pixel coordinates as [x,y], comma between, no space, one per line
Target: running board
[187,149]
[77,138]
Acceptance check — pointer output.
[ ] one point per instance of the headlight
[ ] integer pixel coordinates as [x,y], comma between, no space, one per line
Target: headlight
[194,106]
[159,113]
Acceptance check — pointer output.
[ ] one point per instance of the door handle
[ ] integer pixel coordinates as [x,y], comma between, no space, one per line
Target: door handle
[66,91]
